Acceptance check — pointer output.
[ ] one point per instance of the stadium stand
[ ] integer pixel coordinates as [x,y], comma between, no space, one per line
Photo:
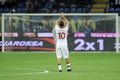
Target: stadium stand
[56,6]
[99,6]
[114,6]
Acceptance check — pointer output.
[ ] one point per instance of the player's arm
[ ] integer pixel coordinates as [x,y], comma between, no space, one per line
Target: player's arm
[54,35]
[58,20]
[65,19]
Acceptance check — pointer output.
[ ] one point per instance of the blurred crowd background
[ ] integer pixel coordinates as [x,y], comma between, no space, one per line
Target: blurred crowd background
[56,6]
[42,24]
[45,24]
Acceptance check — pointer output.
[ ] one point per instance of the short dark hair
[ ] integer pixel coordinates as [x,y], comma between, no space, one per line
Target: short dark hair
[61,24]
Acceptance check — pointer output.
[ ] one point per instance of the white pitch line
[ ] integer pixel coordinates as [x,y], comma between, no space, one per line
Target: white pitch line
[20,74]
[25,69]
[45,72]
[30,73]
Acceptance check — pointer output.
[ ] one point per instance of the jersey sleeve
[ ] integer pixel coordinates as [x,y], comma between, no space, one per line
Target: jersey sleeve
[56,26]
[54,34]
[66,27]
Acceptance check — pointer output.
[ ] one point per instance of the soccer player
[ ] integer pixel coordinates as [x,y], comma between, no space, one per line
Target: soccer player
[60,33]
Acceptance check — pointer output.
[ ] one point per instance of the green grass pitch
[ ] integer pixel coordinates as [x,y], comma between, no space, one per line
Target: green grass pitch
[43,66]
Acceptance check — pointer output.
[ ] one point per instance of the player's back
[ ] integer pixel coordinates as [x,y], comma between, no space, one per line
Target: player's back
[61,34]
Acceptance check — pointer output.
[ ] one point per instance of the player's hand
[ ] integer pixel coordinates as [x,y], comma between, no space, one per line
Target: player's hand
[62,14]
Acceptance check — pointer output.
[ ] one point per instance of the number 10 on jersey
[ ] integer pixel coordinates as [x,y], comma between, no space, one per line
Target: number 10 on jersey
[61,35]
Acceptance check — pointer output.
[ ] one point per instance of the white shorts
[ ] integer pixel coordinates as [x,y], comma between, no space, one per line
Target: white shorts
[62,51]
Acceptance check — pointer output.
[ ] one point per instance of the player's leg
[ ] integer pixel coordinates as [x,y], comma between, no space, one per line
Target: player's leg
[68,64]
[59,64]
[59,55]
[65,53]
